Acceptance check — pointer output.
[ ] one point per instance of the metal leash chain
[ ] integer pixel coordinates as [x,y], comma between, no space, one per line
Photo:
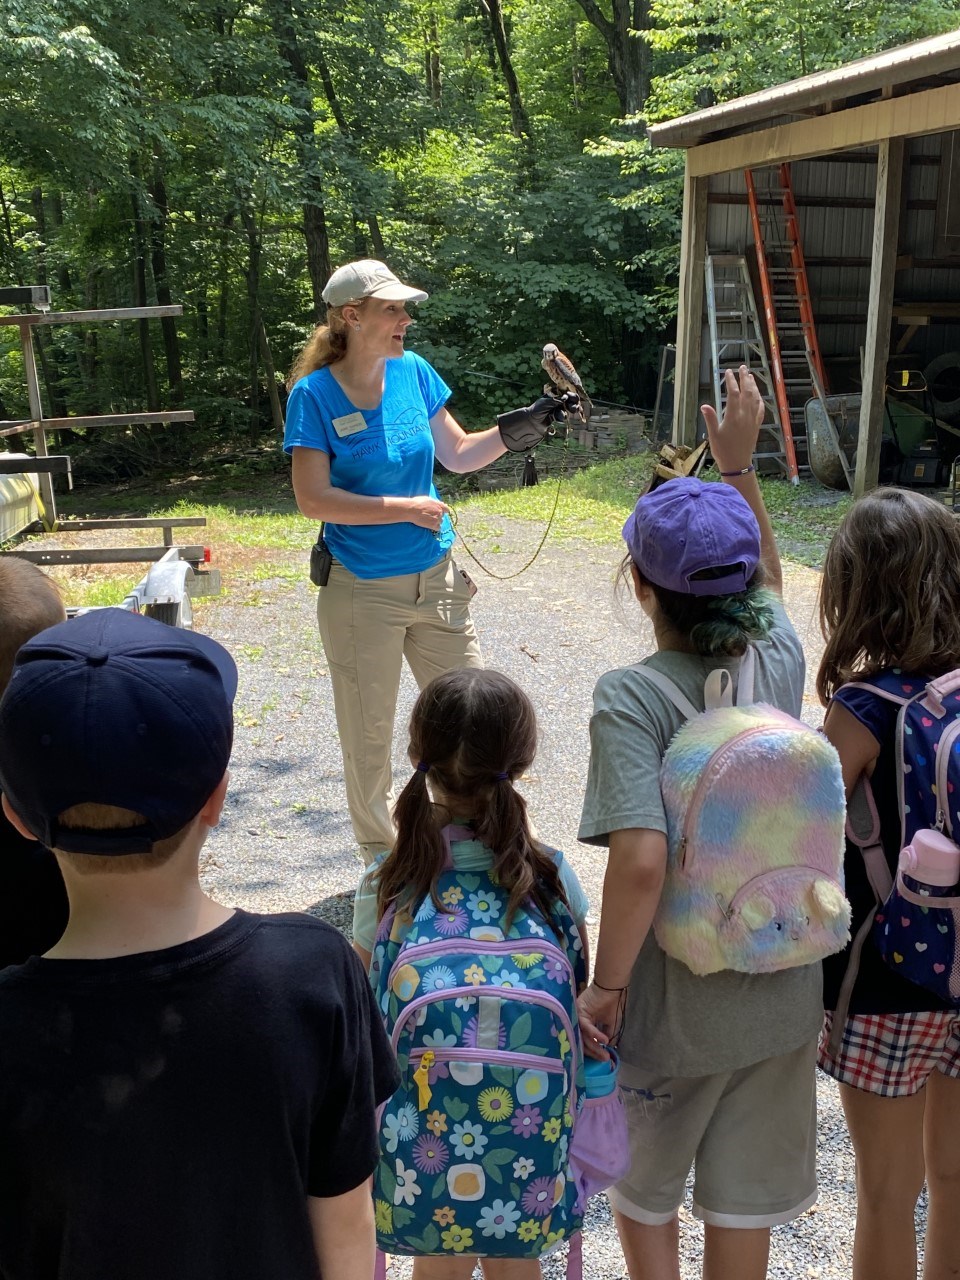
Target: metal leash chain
[505,577]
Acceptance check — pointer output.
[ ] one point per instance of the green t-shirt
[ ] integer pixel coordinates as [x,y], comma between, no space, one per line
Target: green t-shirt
[467,855]
[678,1023]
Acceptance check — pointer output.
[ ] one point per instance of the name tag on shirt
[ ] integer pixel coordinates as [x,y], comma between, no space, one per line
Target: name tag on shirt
[349,424]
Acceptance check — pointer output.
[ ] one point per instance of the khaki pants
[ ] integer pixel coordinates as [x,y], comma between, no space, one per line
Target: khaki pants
[367,627]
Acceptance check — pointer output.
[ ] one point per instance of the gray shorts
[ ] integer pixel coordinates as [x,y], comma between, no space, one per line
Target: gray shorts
[751,1136]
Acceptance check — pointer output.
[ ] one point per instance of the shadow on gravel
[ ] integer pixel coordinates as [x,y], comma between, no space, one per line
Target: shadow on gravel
[336,910]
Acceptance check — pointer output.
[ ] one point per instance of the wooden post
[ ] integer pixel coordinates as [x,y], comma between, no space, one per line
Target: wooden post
[693,253]
[269,369]
[886,226]
[49,513]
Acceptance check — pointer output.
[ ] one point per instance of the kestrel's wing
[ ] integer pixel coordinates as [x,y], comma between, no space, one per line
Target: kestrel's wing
[567,371]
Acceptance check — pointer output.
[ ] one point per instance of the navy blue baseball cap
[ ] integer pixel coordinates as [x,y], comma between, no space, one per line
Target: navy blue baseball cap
[117,709]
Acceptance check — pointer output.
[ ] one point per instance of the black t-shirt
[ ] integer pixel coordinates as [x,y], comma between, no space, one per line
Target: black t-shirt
[33,901]
[878,989]
[164,1116]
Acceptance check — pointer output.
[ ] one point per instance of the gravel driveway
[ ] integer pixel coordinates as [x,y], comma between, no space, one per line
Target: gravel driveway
[285,841]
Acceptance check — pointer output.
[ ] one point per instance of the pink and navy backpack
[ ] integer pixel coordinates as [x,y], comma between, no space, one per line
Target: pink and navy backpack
[915,926]
[755,811]
[489,1146]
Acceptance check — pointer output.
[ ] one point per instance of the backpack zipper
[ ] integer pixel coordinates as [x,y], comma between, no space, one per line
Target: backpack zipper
[712,766]
[522,994]
[504,1057]
[447,946]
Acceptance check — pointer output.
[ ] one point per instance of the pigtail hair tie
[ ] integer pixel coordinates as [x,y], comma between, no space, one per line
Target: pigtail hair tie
[501,777]
[422,766]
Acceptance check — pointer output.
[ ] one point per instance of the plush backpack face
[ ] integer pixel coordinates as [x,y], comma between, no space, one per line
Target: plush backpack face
[475,1143]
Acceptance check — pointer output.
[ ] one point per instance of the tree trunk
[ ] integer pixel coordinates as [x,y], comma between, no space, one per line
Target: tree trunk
[628,57]
[300,92]
[223,294]
[431,61]
[63,275]
[158,262]
[46,356]
[254,254]
[349,133]
[519,120]
[140,300]
[15,265]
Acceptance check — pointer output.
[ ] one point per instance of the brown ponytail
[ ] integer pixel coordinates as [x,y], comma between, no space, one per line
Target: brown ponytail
[477,732]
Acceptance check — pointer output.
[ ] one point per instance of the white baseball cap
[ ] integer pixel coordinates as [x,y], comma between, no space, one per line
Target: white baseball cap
[368,279]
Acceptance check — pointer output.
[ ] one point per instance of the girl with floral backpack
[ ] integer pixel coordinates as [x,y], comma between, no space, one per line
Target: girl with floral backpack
[890,618]
[473,932]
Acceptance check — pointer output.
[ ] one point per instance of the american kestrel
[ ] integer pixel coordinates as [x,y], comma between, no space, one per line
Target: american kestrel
[562,373]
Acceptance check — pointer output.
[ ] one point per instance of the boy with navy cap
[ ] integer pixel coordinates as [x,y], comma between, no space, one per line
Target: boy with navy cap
[185,1089]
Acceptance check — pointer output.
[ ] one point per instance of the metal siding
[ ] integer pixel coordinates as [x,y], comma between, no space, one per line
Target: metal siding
[847,233]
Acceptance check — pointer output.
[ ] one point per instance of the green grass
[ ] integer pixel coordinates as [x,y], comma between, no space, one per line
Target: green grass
[592,506]
[105,591]
[594,503]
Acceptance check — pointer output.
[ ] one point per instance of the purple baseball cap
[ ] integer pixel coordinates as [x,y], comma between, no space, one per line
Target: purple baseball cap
[113,708]
[686,526]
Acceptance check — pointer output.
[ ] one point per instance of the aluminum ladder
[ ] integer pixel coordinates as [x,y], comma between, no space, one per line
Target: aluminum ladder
[736,338]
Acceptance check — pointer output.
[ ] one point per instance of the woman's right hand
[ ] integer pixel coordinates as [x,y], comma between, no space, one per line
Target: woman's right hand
[427,512]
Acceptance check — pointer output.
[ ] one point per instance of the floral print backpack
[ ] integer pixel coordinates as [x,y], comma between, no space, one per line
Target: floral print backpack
[475,1145]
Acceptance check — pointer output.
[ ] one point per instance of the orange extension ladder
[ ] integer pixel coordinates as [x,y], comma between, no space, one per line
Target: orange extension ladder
[796,365]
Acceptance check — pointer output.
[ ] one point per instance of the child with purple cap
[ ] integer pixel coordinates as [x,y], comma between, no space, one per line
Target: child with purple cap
[185,1089]
[718,1070]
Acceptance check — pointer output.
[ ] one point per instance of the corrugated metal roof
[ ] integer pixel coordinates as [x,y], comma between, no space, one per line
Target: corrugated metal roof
[937,56]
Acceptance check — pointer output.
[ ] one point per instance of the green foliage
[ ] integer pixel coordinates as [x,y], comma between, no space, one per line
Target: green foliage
[155,150]
[714,48]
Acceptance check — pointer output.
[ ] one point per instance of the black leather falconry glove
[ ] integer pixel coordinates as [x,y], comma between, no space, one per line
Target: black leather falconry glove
[523,429]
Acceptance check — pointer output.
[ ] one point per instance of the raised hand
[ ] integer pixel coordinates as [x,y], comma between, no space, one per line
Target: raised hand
[733,441]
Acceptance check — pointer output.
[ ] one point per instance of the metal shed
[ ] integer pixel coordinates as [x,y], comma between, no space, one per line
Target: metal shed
[873,151]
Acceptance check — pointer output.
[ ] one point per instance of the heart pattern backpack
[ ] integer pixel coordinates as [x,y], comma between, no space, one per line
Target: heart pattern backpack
[915,925]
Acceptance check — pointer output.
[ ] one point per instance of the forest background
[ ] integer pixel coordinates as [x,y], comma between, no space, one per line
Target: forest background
[226,155]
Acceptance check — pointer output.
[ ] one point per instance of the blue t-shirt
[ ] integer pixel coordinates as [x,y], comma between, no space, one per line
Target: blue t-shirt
[382,452]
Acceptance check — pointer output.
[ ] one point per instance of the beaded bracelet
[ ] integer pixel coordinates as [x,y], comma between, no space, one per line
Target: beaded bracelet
[744,471]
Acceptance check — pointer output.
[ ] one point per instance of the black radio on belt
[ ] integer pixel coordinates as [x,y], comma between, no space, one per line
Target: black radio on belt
[320,561]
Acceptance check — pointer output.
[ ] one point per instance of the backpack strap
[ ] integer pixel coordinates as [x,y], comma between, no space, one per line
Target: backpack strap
[717,689]
[380,1266]
[669,690]
[939,689]
[863,829]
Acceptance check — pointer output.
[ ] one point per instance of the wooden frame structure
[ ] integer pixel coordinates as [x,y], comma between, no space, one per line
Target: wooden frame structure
[176,571]
[910,92]
[39,425]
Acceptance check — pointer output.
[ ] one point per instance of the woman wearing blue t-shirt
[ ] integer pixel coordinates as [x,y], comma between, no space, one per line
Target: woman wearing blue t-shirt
[365,421]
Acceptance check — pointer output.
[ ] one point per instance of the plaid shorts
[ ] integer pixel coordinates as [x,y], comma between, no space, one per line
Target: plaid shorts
[893,1054]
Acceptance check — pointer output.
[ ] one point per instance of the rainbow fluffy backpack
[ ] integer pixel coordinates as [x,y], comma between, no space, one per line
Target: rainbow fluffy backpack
[755,829]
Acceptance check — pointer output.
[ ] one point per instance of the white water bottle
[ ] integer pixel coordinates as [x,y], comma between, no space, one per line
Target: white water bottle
[932,858]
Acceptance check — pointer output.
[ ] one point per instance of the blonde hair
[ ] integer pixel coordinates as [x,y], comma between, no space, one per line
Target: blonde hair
[29,603]
[111,817]
[890,590]
[326,345]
